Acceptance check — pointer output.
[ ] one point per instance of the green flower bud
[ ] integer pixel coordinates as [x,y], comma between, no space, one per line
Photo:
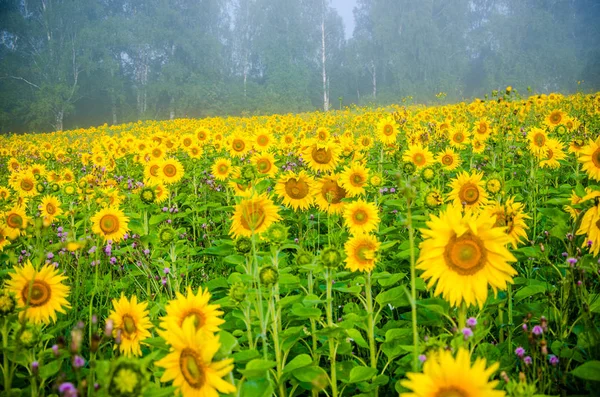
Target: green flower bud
[40,187]
[166,234]
[304,258]
[127,379]
[277,234]
[331,257]
[428,174]
[237,293]
[268,275]
[409,168]
[243,245]
[7,303]
[147,195]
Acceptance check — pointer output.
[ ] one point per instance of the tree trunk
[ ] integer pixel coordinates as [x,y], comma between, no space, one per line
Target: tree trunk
[172,112]
[374,74]
[114,112]
[323,60]
[59,120]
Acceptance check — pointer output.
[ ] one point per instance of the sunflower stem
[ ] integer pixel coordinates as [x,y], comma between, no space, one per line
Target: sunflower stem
[510,316]
[332,346]
[371,324]
[413,289]
[462,315]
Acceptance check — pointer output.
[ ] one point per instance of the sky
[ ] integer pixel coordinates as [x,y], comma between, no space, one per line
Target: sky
[344,8]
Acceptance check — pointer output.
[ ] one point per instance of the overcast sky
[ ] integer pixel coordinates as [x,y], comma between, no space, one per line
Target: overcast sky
[344,8]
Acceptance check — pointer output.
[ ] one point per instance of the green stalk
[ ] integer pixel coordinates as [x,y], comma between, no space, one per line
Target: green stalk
[332,346]
[510,317]
[371,325]
[413,291]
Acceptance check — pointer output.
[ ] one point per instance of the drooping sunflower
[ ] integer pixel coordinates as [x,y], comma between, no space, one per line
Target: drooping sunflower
[419,155]
[265,164]
[449,159]
[296,190]
[41,292]
[446,376]
[190,364]
[110,223]
[469,190]
[4,241]
[590,158]
[464,255]
[170,171]
[50,208]
[361,252]
[354,179]
[329,194]
[254,214]
[554,153]
[206,316]
[387,131]
[131,321]
[512,216]
[361,217]
[321,157]
[221,169]
[4,193]
[16,221]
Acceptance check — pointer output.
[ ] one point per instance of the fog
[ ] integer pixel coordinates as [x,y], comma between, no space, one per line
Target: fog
[67,64]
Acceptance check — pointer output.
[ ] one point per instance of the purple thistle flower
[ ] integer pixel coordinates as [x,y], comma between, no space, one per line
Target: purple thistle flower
[519,351]
[528,360]
[537,330]
[471,322]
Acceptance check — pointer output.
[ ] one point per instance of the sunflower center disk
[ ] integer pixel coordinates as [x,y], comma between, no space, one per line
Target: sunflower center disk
[357,180]
[596,158]
[539,140]
[360,217]
[388,130]
[109,224]
[253,218]
[264,166]
[419,159]
[192,369]
[199,319]
[40,293]
[170,170]
[15,221]
[332,192]
[466,254]
[50,208]
[321,156]
[469,193]
[238,145]
[451,392]
[26,185]
[447,160]
[296,189]
[129,324]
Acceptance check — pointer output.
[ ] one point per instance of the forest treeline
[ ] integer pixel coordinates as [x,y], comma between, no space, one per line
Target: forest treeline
[74,63]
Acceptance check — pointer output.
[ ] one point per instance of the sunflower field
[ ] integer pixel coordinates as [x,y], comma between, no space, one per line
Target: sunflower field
[437,251]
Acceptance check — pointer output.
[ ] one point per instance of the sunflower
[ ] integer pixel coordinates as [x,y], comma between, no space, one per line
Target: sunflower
[361,217]
[110,223]
[555,118]
[482,129]
[361,252]
[295,190]
[42,293]
[365,142]
[538,140]
[459,136]
[322,136]
[469,190]
[387,131]
[194,151]
[418,155]
[4,241]
[238,145]
[590,226]
[263,140]
[590,158]
[24,183]
[50,207]
[206,316]
[152,171]
[449,159]
[221,169]
[162,192]
[446,376]
[131,322]
[554,153]
[511,216]
[4,193]
[265,164]
[329,194]
[253,214]
[478,145]
[322,158]
[170,171]
[190,365]
[465,254]
[16,221]
[354,179]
